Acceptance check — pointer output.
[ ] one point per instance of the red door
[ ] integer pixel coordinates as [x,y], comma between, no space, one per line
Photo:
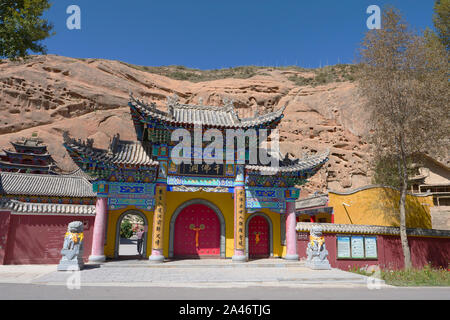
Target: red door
[258,238]
[197,232]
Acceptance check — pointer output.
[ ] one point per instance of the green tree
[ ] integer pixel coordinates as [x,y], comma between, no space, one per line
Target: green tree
[404,81]
[385,169]
[21,27]
[126,229]
[441,20]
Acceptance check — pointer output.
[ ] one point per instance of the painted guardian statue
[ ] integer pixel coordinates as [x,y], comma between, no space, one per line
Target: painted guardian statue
[72,251]
[316,251]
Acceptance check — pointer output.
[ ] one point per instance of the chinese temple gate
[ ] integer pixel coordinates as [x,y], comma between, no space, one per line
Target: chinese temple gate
[227,210]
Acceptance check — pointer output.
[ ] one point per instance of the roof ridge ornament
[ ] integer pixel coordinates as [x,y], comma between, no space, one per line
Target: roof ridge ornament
[114,142]
[88,143]
[229,107]
[67,139]
[173,100]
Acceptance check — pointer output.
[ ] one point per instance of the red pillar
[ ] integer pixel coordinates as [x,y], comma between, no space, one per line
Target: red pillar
[291,232]
[312,218]
[98,239]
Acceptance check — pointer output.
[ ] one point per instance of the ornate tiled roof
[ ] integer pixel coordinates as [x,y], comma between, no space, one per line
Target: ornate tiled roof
[120,151]
[44,185]
[369,229]
[287,165]
[33,143]
[187,114]
[19,207]
[24,166]
[38,155]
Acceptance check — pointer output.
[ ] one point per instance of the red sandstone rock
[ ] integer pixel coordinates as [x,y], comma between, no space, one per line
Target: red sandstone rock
[49,94]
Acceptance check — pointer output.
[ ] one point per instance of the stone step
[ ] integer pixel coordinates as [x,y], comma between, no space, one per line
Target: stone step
[222,263]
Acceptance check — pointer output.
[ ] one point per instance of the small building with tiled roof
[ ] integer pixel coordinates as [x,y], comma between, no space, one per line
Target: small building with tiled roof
[30,155]
[35,210]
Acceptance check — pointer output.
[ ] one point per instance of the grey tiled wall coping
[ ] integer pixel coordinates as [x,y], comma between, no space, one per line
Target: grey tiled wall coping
[377,186]
[370,229]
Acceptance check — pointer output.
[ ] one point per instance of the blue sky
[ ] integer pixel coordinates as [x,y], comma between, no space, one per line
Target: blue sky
[210,34]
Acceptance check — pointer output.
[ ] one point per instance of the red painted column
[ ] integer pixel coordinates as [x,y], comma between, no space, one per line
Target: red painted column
[312,218]
[98,237]
[291,232]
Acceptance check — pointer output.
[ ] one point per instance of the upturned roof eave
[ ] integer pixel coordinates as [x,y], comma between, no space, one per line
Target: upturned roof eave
[28,154]
[16,143]
[103,156]
[23,165]
[305,164]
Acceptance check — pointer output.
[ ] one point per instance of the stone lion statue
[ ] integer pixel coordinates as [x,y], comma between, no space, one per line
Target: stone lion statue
[316,250]
[72,251]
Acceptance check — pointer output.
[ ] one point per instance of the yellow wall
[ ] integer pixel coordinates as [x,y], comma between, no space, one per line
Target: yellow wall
[223,201]
[379,206]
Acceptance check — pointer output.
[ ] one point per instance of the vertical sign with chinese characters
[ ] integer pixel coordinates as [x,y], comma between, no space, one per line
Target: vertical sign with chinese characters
[240,218]
[158,218]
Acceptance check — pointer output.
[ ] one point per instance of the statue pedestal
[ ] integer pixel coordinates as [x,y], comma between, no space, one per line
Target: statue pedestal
[75,264]
[317,264]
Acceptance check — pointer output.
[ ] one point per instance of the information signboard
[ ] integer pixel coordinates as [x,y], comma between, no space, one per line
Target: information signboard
[343,247]
[370,247]
[357,247]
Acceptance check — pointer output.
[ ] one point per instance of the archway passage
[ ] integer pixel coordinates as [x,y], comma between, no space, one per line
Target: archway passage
[132,228]
[258,238]
[197,233]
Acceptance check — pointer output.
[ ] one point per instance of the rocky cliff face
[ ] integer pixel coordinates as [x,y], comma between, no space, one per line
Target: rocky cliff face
[49,94]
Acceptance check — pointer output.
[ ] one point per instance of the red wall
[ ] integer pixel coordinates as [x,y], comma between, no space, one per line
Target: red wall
[34,239]
[424,250]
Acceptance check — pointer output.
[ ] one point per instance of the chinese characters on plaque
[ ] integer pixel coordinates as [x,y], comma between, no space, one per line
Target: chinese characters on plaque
[203,169]
[158,221]
[240,217]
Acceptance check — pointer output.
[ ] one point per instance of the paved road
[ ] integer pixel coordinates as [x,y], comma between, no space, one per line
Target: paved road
[33,291]
[271,279]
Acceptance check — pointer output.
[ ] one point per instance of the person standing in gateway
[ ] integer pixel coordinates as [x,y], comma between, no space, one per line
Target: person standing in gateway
[140,235]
